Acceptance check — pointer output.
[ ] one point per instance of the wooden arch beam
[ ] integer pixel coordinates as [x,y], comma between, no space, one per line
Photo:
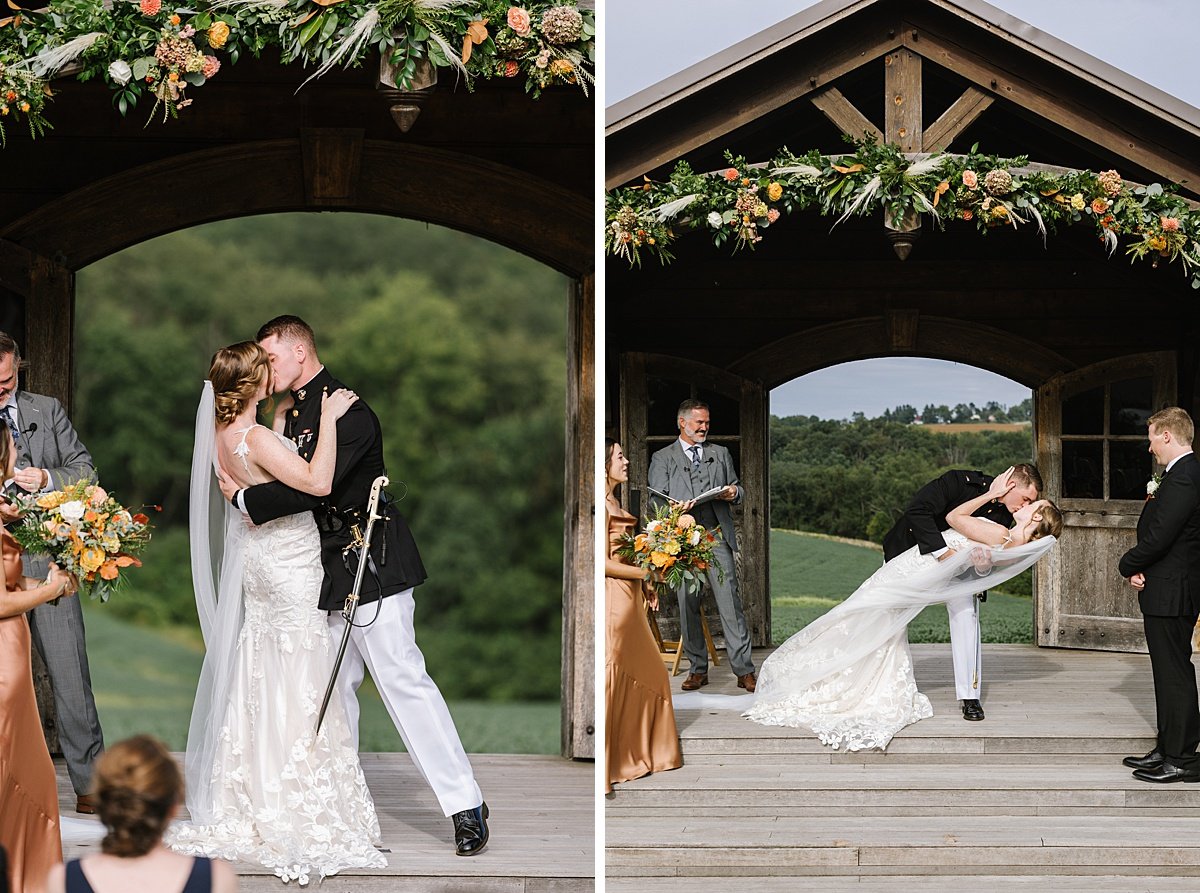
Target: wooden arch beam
[530,215]
[939,338]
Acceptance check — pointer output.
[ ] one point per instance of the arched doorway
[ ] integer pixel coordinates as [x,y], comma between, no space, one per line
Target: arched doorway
[334,169]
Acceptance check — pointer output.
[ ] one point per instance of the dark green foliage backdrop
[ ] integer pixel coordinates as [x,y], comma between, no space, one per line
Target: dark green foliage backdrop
[458,345]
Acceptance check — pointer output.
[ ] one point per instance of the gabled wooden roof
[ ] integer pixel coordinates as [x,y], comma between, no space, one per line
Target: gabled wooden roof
[1025,74]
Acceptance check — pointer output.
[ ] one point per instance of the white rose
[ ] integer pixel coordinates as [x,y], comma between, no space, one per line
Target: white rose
[714,220]
[1151,487]
[72,511]
[694,539]
[120,72]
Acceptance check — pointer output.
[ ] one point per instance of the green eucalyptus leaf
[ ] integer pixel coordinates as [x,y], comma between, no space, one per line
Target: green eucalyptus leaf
[310,29]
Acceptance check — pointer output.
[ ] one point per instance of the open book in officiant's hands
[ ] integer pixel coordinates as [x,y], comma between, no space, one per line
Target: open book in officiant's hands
[706,496]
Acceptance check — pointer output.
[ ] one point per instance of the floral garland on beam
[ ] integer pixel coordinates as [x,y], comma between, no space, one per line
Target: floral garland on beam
[738,203]
[146,49]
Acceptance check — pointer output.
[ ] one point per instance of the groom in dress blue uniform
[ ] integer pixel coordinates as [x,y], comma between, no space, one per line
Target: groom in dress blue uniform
[924,522]
[1164,568]
[383,638]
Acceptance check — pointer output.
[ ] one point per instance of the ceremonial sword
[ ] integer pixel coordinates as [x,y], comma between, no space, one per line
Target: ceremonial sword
[364,555]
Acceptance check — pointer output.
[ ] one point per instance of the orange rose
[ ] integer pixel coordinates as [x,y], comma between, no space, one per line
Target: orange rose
[218,33]
[731,174]
[1099,205]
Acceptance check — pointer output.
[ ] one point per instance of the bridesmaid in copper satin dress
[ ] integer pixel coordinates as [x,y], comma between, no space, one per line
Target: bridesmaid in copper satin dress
[28,788]
[640,735]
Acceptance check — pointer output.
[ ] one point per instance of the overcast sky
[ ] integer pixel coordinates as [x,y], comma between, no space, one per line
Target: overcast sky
[649,40]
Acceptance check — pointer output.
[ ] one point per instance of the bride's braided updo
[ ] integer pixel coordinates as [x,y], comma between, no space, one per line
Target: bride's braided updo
[137,785]
[237,372]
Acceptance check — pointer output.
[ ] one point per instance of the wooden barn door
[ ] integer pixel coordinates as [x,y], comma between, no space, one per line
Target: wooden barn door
[1092,452]
[652,387]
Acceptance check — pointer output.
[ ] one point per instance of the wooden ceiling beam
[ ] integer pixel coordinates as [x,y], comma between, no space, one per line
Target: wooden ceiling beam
[902,92]
[1084,121]
[640,147]
[844,115]
[958,117]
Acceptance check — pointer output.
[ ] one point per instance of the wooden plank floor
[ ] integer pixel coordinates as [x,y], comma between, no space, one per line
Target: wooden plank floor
[542,830]
[1033,797]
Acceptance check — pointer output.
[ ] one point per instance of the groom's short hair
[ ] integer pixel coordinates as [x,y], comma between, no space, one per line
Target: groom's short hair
[1175,420]
[288,328]
[1028,473]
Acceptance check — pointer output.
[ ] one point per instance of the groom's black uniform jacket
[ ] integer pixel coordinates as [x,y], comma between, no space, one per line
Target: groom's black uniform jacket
[359,461]
[924,517]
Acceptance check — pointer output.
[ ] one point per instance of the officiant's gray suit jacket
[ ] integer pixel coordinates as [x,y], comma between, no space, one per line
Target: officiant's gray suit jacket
[49,441]
[671,472]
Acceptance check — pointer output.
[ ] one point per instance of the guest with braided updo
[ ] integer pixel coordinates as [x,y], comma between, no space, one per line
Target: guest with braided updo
[138,788]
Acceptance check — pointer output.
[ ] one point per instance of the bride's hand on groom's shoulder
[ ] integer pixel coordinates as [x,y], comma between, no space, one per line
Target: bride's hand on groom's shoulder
[338,403]
[1002,483]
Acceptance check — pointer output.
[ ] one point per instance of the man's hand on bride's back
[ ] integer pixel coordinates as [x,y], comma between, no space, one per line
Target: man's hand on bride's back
[338,403]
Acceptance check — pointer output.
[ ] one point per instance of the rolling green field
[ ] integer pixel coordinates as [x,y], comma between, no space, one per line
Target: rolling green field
[144,680]
[810,574]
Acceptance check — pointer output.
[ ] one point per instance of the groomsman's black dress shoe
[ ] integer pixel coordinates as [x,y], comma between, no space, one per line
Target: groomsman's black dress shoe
[1152,760]
[1166,773]
[471,831]
[695,681]
[972,709]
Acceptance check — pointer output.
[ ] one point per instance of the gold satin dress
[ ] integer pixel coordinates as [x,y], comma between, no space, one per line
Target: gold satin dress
[28,788]
[640,734]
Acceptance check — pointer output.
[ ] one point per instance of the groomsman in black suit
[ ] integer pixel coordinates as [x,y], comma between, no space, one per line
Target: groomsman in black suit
[1164,567]
[924,522]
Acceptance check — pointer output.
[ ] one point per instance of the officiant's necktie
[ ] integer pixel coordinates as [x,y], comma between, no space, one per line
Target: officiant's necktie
[12,425]
[695,451]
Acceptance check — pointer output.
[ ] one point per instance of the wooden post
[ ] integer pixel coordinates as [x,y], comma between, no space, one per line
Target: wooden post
[902,100]
[579,540]
[47,346]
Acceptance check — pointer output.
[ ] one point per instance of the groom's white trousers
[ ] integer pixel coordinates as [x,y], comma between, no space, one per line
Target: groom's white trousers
[964,647]
[389,648]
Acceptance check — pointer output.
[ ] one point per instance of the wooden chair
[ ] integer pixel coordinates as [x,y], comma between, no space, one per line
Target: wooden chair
[671,650]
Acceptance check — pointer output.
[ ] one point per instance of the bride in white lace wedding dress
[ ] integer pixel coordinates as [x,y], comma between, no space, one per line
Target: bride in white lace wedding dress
[262,786]
[848,675]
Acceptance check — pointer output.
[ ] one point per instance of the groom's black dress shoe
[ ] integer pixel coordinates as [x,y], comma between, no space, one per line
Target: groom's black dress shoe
[972,709]
[1152,760]
[471,831]
[1166,773]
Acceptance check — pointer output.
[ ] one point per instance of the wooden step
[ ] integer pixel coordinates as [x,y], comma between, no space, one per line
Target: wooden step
[934,845]
[1032,798]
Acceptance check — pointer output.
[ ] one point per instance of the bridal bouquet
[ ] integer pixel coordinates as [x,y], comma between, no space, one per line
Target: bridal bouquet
[85,532]
[675,546]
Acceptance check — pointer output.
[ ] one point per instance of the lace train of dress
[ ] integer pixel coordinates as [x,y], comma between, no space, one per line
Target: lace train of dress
[848,675]
[282,797]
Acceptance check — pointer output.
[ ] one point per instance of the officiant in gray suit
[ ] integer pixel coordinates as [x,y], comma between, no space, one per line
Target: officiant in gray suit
[50,455]
[687,468]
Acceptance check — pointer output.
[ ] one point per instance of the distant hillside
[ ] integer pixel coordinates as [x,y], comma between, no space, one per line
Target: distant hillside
[968,427]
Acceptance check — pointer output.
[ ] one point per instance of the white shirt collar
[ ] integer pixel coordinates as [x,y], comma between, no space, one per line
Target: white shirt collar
[687,448]
[1176,459]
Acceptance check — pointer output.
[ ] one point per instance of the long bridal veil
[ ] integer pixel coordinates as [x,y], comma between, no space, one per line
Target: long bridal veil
[217,580]
[848,675]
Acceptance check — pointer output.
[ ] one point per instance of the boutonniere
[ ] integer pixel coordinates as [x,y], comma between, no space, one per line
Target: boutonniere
[1153,484]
